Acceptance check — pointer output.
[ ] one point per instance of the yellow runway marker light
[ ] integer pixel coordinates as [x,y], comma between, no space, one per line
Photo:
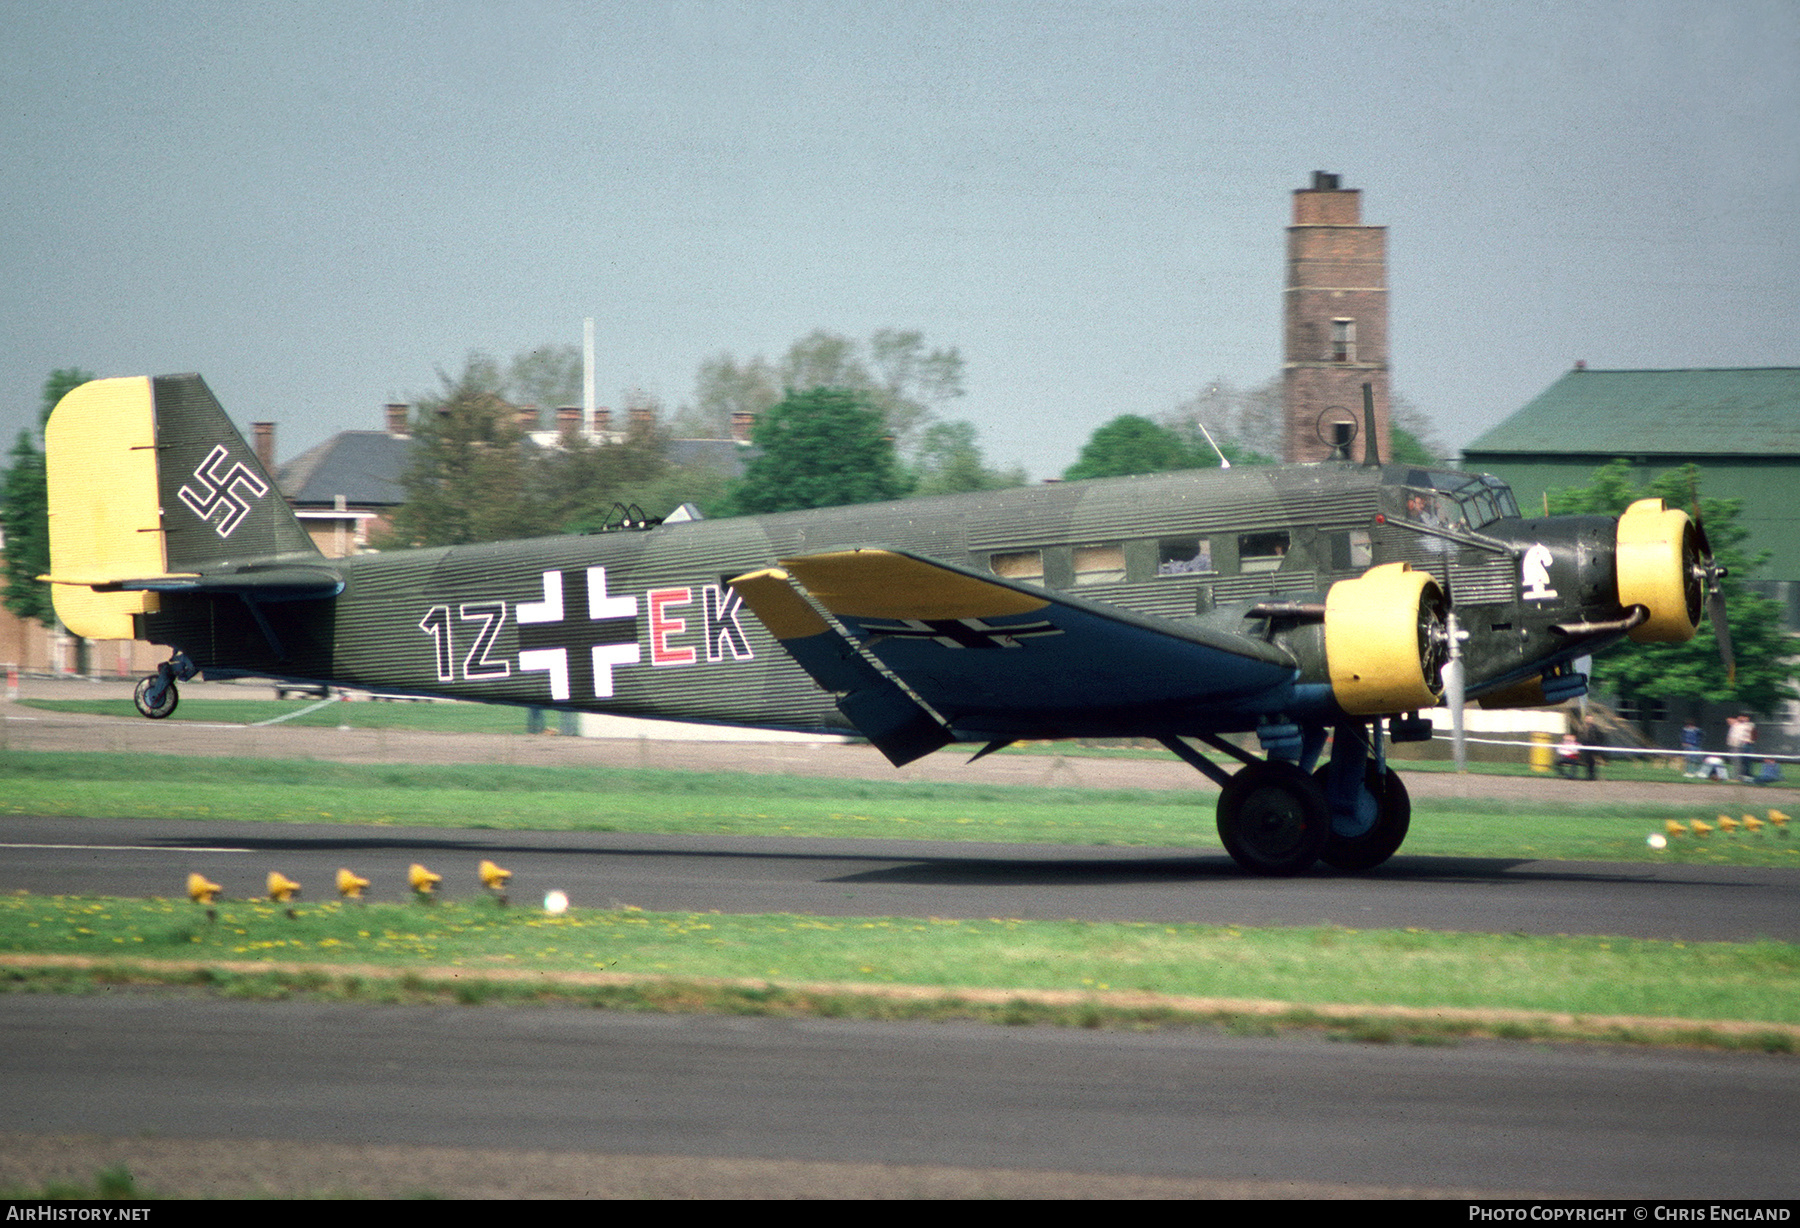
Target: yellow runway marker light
[1701,827]
[494,879]
[1727,823]
[1752,823]
[1674,828]
[282,889]
[201,891]
[422,881]
[350,886]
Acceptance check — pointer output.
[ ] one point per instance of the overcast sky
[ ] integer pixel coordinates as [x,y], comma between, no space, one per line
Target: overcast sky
[319,205]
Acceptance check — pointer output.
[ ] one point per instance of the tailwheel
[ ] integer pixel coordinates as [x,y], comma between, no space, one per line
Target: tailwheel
[156,697]
[1384,835]
[1273,819]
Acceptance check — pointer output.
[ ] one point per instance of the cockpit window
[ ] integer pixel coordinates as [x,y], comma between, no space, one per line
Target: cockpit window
[1503,495]
[1457,500]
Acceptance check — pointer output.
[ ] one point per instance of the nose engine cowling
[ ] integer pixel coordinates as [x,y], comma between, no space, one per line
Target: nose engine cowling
[1385,640]
[1661,566]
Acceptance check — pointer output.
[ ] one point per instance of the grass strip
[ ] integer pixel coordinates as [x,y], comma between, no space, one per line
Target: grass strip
[513,798]
[463,717]
[429,717]
[1305,967]
[1368,1024]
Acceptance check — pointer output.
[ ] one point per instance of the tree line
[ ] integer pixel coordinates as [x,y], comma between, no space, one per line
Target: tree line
[836,421]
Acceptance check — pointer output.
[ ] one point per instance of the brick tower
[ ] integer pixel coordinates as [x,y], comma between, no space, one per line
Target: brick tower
[1335,319]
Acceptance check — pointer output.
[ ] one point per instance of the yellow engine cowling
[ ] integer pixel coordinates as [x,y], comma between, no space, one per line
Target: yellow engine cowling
[1384,640]
[1658,564]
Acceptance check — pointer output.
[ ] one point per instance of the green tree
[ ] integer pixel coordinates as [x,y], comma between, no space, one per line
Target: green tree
[1129,445]
[581,479]
[893,373]
[823,447]
[1412,436]
[1693,670]
[1247,424]
[25,510]
[949,462]
[912,383]
[722,388]
[470,476]
[1408,449]
[546,377]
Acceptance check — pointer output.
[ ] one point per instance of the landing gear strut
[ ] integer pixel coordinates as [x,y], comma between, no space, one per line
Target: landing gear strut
[1370,809]
[156,696]
[1276,819]
[1385,830]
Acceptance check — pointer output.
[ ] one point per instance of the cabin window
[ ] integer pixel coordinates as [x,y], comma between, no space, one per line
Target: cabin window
[1343,341]
[1026,565]
[1262,551]
[1184,556]
[1099,564]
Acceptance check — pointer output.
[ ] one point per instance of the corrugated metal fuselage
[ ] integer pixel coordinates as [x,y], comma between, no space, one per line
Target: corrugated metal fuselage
[641,622]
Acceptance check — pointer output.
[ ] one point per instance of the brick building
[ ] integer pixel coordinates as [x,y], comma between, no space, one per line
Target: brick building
[1335,321]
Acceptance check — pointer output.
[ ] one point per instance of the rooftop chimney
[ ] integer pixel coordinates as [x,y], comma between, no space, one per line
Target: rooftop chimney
[396,420]
[529,418]
[602,420]
[568,420]
[643,418]
[743,421]
[264,434]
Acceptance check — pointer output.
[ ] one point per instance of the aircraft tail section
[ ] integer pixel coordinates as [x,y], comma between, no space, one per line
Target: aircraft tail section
[151,486]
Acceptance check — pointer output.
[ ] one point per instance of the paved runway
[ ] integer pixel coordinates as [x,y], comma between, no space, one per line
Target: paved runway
[841,877]
[1248,1113]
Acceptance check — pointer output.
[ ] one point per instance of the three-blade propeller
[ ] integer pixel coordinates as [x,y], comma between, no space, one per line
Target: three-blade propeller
[1707,572]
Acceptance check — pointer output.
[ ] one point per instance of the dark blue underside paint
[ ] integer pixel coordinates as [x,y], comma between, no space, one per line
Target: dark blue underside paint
[1089,674]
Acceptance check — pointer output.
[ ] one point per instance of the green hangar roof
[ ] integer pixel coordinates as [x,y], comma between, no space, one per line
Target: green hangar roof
[1753,411]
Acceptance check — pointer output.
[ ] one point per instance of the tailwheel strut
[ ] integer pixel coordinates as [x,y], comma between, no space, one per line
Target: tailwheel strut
[157,696]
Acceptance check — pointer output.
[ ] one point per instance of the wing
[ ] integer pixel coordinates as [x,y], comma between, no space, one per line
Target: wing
[991,658]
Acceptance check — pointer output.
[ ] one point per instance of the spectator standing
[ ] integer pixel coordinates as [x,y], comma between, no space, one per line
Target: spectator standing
[1690,742]
[1740,740]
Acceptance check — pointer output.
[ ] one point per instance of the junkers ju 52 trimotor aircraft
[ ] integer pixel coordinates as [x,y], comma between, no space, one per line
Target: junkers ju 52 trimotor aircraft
[1296,602]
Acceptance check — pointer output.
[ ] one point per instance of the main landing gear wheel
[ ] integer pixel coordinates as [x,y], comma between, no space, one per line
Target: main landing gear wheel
[1384,836]
[1273,819]
[156,711]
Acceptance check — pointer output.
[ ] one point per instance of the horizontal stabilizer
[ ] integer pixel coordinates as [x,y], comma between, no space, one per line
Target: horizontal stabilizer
[259,584]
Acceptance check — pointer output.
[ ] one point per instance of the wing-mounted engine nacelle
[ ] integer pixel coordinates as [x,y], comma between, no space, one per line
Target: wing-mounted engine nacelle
[1386,640]
[1661,565]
